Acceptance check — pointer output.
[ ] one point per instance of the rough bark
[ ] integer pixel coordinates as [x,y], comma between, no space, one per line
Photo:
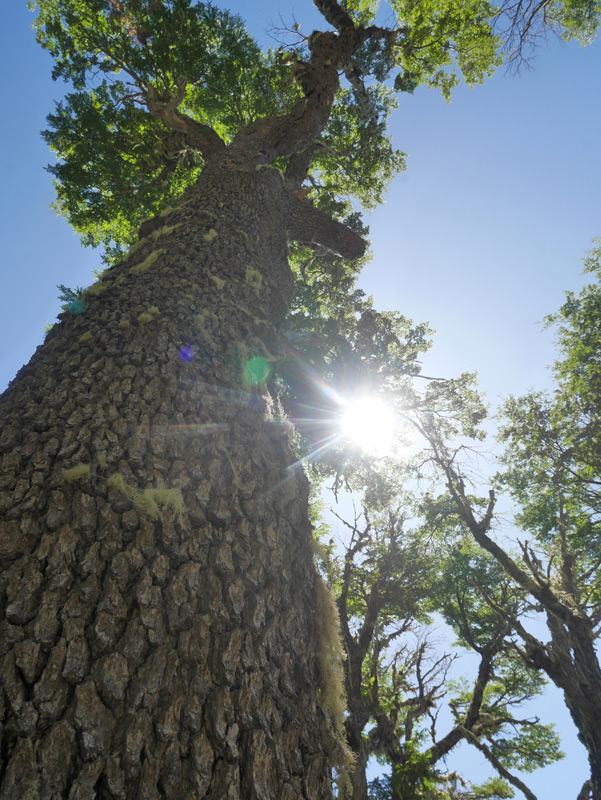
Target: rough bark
[157,590]
[573,665]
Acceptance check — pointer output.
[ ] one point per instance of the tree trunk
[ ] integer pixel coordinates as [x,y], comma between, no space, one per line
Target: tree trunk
[157,586]
[359,775]
[582,692]
[571,661]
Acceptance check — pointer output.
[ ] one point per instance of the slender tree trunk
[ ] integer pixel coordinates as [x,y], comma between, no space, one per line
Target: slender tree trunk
[157,588]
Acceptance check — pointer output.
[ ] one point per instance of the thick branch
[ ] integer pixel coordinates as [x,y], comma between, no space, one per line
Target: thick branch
[295,133]
[307,224]
[585,792]
[298,167]
[268,138]
[368,111]
[198,136]
[337,16]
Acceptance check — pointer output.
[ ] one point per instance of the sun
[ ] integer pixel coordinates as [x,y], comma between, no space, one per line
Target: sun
[370,424]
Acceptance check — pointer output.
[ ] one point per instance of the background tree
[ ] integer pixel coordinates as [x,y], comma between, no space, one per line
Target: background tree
[389,577]
[551,469]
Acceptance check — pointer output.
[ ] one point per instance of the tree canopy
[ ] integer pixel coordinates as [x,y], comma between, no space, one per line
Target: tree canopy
[144,113]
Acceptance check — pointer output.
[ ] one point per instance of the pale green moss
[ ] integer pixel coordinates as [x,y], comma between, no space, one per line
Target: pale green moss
[147,316]
[135,245]
[269,166]
[101,284]
[86,337]
[205,315]
[124,323]
[331,657]
[219,282]
[165,230]
[97,288]
[167,211]
[212,234]
[319,550]
[102,460]
[117,481]
[254,278]
[147,263]
[32,791]
[77,472]
[152,500]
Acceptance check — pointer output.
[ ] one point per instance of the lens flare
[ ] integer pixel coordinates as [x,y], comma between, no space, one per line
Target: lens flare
[257,370]
[186,353]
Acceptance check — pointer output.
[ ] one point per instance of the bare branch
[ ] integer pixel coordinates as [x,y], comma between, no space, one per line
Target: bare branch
[443,746]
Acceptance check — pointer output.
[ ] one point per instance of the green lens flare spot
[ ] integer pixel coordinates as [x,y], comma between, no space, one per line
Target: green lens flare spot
[256,370]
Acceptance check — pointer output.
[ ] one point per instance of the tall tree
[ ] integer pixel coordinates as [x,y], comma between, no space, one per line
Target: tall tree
[159,633]
[552,469]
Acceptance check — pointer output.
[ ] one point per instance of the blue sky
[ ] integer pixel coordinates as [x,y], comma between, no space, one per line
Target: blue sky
[481,236]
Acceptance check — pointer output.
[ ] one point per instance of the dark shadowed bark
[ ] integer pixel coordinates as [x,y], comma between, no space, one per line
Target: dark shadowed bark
[157,588]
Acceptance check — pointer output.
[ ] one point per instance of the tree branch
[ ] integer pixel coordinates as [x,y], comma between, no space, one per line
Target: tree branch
[308,224]
[198,136]
[353,75]
[585,792]
[337,16]
[298,167]
[540,591]
[504,773]
[443,746]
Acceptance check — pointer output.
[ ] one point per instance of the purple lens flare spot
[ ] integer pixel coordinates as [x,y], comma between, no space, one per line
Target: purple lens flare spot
[186,353]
